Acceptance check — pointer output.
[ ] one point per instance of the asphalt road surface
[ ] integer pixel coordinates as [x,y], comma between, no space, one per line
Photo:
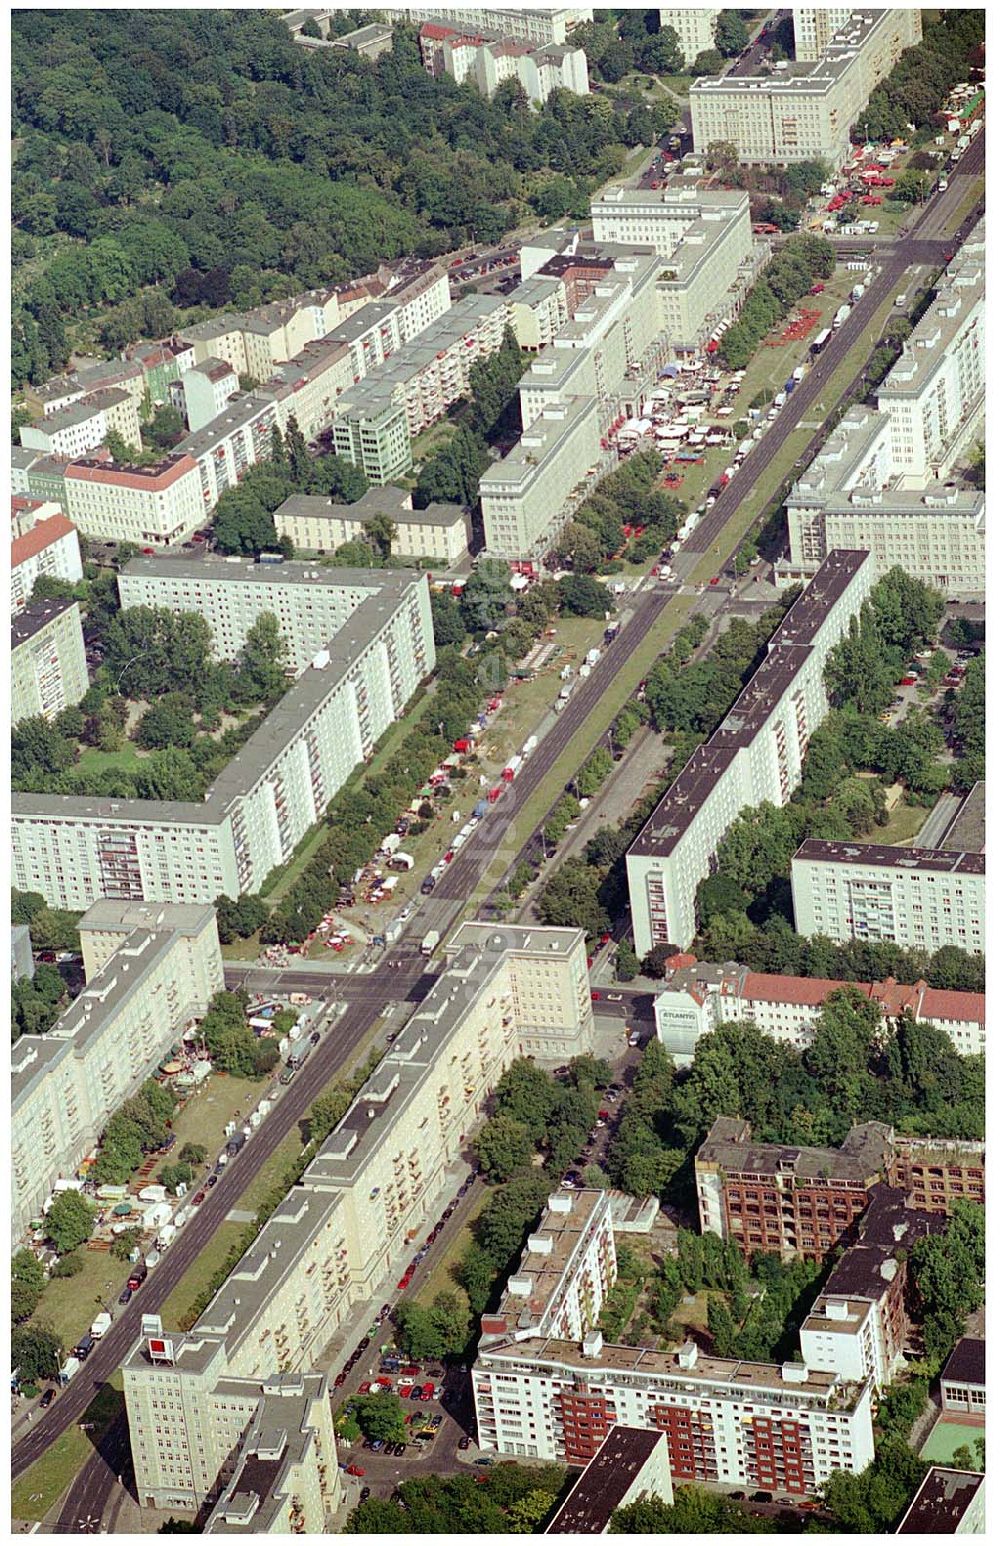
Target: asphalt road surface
[335,1048]
[928,235]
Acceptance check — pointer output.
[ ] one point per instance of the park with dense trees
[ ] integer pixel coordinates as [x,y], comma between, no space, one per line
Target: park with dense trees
[200,160]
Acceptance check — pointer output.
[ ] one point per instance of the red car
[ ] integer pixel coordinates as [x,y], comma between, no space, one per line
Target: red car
[594,995]
[149,552]
[340,1379]
[714,580]
[355,1470]
[198,1199]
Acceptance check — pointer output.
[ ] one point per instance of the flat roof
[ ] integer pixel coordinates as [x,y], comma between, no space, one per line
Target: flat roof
[730,1376]
[605,1483]
[34,617]
[883,856]
[861,1158]
[561,1228]
[942,1501]
[813,78]
[541,440]
[967,830]
[788,651]
[87,1017]
[967,1363]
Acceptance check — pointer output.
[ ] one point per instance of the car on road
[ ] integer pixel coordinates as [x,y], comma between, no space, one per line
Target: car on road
[365,1494]
[198,1199]
[48,1399]
[341,1377]
[212,1181]
[125,1295]
[355,1470]
[465,1442]
[399,1449]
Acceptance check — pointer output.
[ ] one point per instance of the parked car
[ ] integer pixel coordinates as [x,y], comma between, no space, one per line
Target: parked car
[125,1295]
[355,1470]
[48,1399]
[465,1442]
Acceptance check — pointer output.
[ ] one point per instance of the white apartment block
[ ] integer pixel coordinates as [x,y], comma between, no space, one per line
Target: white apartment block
[921,898]
[699,997]
[150,506]
[694,26]
[528,497]
[804,113]
[233,442]
[48,660]
[535,25]
[310,605]
[75,849]
[538,310]
[728,1422]
[815,27]
[855,495]
[934,395]
[432,372]
[610,348]
[421,294]
[488,59]
[708,238]
[376,1181]
[371,430]
[150,973]
[61,391]
[204,391]
[43,541]
[78,427]
[567,1268]
[756,754]
[317,525]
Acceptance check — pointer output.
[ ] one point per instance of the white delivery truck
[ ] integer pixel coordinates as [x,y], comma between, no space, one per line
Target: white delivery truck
[430,942]
[100,1326]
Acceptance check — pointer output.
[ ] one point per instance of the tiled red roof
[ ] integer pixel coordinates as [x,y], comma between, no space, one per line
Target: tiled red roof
[38,538]
[943,1004]
[20,504]
[436,32]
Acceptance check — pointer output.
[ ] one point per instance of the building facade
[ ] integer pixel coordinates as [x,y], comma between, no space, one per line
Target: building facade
[921,898]
[488,59]
[698,997]
[727,1422]
[275,788]
[938,1172]
[149,506]
[815,27]
[884,481]
[205,390]
[791,1200]
[803,114]
[317,525]
[78,427]
[756,754]
[694,26]
[371,431]
[963,1379]
[534,25]
[48,660]
[157,977]
[43,542]
[528,497]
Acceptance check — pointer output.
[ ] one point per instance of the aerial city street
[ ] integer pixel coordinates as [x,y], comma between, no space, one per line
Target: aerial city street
[498,911]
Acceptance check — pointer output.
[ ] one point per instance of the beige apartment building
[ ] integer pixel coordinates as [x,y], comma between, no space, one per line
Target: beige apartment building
[528,497]
[374,1184]
[48,660]
[694,26]
[314,524]
[708,239]
[815,27]
[150,972]
[804,112]
[150,506]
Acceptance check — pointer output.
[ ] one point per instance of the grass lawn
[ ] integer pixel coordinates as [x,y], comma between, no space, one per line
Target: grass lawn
[204,1116]
[176,1308]
[43,1484]
[441,1280]
[69,1305]
[903,825]
[946,1437]
[127,760]
[432,439]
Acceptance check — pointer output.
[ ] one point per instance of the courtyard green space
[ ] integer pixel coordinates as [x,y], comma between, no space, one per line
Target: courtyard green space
[946,1437]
